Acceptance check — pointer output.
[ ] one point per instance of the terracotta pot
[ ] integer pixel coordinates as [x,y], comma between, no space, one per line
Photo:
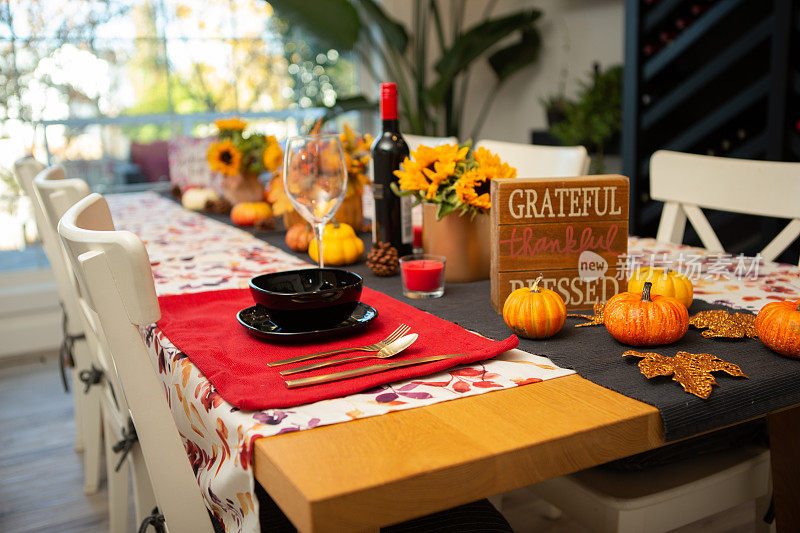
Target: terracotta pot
[243,188]
[350,212]
[291,218]
[463,241]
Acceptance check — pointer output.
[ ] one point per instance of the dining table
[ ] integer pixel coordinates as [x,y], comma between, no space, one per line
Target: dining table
[407,449]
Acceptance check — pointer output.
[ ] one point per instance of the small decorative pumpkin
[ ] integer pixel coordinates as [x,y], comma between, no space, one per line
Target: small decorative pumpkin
[778,327]
[639,319]
[195,198]
[340,245]
[535,313]
[298,237]
[246,213]
[665,282]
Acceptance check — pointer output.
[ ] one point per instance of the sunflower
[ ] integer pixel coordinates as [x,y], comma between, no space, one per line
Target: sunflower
[472,188]
[230,124]
[273,155]
[428,167]
[224,157]
[499,169]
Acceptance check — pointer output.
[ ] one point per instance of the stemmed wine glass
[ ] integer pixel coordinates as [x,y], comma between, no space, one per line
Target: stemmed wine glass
[315,179]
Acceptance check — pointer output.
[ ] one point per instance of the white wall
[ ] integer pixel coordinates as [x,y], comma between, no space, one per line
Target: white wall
[591,29]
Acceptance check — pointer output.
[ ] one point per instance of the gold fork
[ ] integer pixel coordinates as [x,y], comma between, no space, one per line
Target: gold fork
[401,330]
[384,353]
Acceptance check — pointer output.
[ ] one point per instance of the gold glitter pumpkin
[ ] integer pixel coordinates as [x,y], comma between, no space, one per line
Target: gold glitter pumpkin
[665,282]
[778,327]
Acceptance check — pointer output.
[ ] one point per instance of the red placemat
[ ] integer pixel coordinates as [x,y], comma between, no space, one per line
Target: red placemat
[203,325]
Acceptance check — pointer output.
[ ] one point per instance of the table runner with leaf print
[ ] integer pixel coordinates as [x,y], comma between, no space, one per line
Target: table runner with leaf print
[190,252]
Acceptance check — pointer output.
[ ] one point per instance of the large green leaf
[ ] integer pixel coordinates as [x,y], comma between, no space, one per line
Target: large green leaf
[358,102]
[334,23]
[509,60]
[472,44]
[394,32]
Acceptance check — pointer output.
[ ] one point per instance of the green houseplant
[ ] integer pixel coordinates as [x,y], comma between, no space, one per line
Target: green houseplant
[594,118]
[431,102]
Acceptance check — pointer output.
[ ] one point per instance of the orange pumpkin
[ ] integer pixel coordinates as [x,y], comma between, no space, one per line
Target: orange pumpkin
[298,237]
[778,327]
[641,320]
[246,213]
[534,313]
[666,282]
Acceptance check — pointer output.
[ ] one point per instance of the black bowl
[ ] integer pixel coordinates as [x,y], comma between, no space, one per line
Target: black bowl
[308,298]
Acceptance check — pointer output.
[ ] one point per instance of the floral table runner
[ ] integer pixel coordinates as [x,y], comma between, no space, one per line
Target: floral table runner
[190,253]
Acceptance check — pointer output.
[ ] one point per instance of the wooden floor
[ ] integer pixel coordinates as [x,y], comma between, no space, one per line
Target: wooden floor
[41,474]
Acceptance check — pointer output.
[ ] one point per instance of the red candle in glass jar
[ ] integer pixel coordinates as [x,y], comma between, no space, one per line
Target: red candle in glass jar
[423,275]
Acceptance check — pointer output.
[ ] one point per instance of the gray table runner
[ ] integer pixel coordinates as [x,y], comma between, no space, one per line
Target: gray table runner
[774,380]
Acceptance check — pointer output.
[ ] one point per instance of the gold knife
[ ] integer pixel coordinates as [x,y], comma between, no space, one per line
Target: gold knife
[372,369]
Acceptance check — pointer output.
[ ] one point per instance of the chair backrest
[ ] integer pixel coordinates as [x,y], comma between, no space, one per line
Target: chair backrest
[114,270]
[535,161]
[687,182]
[27,169]
[415,141]
[57,194]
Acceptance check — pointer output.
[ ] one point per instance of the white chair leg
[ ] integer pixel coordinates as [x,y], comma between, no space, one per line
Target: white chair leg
[79,401]
[118,483]
[92,443]
[143,498]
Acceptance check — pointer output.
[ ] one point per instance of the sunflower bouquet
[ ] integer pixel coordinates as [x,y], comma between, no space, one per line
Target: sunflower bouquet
[455,178]
[237,153]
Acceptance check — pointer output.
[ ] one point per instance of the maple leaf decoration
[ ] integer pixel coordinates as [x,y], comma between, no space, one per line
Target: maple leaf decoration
[691,370]
[719,323]
[594,320]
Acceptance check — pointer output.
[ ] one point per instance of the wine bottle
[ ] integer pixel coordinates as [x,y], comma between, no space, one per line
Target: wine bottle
[392,220]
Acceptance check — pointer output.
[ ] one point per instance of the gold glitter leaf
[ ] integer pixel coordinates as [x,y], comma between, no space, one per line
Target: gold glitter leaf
[594,320]
[719,323]
[691,370]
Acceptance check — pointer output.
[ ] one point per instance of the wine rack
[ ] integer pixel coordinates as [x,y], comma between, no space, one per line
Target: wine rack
[716,77]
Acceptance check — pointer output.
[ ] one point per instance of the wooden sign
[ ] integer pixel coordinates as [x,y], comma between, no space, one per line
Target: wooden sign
[572,231]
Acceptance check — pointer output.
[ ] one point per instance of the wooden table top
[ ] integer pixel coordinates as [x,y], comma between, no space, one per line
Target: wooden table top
[381,470]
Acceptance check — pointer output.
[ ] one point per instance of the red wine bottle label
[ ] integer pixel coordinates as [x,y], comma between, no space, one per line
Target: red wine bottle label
[406,225]
[388,101]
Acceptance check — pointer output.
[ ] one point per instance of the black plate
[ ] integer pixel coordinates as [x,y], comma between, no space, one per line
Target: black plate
[256,320]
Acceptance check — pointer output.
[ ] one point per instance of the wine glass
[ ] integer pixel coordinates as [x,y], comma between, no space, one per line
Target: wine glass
[315,179]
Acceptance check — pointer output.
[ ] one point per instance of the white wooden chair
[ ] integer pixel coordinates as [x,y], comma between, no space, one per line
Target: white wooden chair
[535,161]
[105,397]
[687,182]
[666,497]
[114,275]
[415,141]
[88,435]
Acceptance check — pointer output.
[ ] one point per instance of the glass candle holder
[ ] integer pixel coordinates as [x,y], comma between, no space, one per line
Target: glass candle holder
[422,275]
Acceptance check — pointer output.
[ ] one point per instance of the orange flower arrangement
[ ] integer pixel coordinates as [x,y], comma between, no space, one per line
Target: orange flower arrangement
[356,155]
[239,153]
[453,177]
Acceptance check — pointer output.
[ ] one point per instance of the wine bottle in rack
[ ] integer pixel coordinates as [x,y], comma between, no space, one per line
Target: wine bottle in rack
[392,220]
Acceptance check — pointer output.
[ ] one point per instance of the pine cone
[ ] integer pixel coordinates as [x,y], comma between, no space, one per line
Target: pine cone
[383,259]
[220,206]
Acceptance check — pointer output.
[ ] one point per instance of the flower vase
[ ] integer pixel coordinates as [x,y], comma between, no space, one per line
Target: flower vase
[463,240]
[243,188]
[351,212]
